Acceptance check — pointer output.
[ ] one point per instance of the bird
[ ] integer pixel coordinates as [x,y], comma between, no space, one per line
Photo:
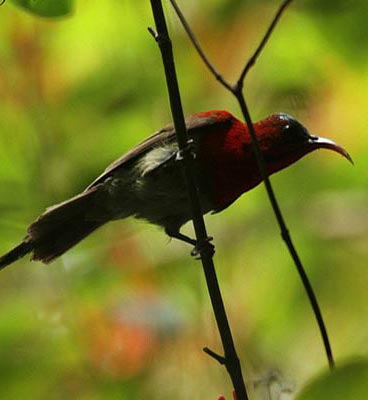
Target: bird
[147,182]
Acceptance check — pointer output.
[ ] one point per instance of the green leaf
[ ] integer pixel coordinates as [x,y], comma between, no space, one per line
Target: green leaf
[46,8]
[349,382]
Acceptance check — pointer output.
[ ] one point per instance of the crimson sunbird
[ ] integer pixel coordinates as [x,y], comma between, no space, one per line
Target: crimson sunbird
[147,181]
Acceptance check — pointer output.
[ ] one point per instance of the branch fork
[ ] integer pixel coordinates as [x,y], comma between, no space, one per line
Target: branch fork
[185,155]
[237,91]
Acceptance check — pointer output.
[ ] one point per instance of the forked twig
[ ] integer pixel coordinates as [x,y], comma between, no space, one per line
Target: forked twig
[197,46]
[252,60]
[237,91]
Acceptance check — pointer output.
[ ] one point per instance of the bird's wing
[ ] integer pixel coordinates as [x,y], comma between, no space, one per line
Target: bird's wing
[164,135]
[194,123]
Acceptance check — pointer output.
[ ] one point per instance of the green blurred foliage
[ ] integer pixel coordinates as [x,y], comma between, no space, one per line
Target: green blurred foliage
[126,313]
[46,8]
[348,382]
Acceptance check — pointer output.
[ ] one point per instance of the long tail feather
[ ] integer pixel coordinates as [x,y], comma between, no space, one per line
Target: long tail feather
[15,254]
[59,228]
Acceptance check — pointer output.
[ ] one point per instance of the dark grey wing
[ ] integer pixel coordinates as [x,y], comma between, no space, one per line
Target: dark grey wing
[163,136]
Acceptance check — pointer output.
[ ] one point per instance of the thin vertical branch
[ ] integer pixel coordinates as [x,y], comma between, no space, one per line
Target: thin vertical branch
[237,91]
[285,234]
[230,359]
[197,46]
[252,60]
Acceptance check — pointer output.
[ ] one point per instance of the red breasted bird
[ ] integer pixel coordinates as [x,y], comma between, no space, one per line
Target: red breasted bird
[147,181]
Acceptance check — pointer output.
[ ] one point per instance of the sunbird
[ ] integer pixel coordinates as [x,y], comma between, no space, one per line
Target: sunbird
[147,182]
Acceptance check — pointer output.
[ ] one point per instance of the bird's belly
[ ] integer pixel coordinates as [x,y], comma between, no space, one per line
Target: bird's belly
[159,197]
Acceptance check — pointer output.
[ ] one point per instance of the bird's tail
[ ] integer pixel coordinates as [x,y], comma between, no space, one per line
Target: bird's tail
[59,228]
[18,252]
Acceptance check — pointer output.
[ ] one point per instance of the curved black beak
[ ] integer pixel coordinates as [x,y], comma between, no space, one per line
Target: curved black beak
[324,143]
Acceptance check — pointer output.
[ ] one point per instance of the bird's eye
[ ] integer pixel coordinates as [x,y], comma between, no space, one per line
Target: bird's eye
[294,132]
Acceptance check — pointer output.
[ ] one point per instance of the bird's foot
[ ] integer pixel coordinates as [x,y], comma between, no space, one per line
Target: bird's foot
[188,149]
[200,247]
[203,247]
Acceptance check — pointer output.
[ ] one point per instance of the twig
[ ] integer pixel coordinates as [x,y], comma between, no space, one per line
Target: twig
[231,359]
[217,357]
[237,91]
[252,60]
[195,43]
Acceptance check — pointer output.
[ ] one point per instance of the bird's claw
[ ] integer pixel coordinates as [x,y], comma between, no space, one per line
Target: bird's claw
[188,149]
[203,247]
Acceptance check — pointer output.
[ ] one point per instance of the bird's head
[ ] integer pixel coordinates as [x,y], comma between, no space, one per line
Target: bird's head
[284,140]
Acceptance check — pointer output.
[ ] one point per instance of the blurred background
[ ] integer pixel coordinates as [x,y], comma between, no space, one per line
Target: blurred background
[125,314]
